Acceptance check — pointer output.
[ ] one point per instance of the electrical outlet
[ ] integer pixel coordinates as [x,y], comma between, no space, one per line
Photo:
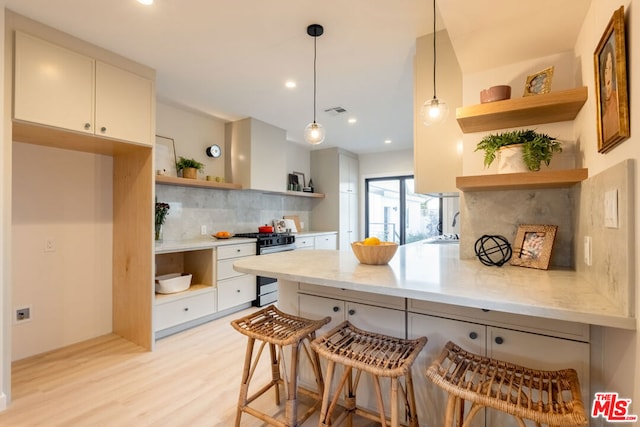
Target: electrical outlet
[203,230]
[50,245]
[23,314]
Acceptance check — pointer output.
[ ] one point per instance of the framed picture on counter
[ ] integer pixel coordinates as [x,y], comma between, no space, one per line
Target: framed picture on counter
[533,245]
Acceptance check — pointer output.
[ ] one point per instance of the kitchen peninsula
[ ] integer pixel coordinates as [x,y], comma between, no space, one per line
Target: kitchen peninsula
[435,273]
[537,318]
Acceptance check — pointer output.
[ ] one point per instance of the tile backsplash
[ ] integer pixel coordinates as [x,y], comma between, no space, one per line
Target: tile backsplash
[230,210]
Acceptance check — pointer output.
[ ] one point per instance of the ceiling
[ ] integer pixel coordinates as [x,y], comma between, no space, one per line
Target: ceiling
[231,58]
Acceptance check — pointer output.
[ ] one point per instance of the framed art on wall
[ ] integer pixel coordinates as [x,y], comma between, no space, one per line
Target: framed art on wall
[533,244]
[165,156]
[610,60]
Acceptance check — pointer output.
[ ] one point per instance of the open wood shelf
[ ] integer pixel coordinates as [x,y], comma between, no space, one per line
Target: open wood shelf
[546,108]
[304,194]
[522,181]
[185,182]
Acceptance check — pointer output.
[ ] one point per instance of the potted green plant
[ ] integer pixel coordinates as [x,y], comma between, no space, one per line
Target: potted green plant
[536,147]
[189,167]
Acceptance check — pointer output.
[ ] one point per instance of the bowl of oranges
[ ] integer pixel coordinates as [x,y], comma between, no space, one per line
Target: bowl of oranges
[372,251]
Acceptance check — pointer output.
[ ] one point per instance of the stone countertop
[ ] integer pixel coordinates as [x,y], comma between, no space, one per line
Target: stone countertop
[313,233]
[196,244]
[436,273]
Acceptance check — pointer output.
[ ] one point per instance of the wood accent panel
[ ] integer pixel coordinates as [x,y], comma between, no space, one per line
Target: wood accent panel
[521,181]
[185,182]
[133,289]
[529,110]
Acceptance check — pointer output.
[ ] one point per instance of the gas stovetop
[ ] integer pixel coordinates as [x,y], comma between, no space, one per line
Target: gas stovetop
[269,239]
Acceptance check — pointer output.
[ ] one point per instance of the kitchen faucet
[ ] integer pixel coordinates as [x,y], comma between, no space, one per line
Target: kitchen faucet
[453,224]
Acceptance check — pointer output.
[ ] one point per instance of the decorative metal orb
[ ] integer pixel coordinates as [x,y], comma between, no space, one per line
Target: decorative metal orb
[493,250]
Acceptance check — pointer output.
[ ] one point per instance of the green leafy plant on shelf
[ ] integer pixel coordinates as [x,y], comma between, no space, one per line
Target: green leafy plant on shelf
[183,163]
[536,147]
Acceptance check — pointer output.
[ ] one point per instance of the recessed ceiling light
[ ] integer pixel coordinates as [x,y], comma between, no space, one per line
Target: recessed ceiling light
[352,120]
[387,141]
[290,84]
[146,2]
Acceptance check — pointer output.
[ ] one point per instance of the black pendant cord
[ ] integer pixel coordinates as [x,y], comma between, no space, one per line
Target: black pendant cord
[315,54]
[434,49]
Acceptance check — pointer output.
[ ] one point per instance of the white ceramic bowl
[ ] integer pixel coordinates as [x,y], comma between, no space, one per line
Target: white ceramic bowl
[172,283]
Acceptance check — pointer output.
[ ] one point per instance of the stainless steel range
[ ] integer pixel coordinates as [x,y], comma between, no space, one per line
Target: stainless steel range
[269,243]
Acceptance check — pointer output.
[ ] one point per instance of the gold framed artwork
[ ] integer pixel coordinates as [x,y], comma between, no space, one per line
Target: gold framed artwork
[610,60]
[539,82]
[533,245]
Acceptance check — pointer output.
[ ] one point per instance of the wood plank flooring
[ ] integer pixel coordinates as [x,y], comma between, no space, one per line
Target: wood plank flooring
[191,379]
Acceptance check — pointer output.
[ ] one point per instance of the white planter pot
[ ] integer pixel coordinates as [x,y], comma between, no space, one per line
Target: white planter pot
[510,160]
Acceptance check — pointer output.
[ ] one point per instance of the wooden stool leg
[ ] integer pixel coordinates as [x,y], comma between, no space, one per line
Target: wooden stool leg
[411,399]
[275,371]
[291,386]
[395,416]
[325,417]
[244,385]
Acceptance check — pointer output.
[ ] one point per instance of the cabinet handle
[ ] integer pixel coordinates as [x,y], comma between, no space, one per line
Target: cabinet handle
[486,310]
[352,312]
[87,126]
[237,250]
[336,309]
[238,290]
[186,309]
[499,340]
[103,129]
[473,335]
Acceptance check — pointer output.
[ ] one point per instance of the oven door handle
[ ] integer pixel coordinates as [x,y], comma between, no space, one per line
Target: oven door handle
[275,249]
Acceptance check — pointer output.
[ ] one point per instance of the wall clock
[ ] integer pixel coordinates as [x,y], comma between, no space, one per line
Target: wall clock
[214,151]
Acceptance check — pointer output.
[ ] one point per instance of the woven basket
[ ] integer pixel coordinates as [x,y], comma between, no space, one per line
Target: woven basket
[374,254]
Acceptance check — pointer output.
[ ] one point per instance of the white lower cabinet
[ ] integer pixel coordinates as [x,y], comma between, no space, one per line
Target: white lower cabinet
[171,312]
[326,241]
[524,348]
[364,316]
[234,288]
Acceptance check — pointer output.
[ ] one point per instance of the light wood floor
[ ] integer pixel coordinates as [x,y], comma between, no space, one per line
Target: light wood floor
[191,379]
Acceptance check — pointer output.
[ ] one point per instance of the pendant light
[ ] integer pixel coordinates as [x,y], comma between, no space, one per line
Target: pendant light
[314,132]
[435,110]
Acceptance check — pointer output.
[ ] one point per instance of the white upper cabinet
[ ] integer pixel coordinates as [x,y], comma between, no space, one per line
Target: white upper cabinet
[57,87]
[348,171]
[53,86]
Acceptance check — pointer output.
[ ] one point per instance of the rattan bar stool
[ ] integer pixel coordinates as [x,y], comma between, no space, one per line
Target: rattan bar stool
[544,397]
[376,354]
[278,329]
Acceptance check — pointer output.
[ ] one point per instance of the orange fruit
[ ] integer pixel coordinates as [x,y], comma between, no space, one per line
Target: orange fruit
[371,241]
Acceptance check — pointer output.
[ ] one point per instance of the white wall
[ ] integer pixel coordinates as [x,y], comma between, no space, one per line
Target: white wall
[621,349]
[5,228]
[192,133]
[65,196]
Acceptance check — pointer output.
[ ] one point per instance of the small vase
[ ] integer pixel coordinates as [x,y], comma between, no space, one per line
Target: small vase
[510,159]
[158,232]
[190,173]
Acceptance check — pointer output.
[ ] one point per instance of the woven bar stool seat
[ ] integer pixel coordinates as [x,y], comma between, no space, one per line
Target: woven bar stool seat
[544,397]
[278,329]
[375,354]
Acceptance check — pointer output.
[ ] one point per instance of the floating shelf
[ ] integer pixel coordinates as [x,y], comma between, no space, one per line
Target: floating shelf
[185,182]
[522,181]
[305,194]
[546,108]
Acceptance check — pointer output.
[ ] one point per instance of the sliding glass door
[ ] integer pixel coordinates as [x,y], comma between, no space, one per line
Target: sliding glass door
[395,213]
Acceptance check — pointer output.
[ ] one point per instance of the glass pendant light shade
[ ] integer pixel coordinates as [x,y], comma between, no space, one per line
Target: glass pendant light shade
[314,133]
[434,111]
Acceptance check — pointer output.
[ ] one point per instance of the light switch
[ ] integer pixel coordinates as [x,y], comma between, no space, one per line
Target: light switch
[611,208]
[587,250]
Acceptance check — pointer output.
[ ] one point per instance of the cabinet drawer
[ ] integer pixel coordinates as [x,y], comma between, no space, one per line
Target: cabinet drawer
[349,295]
[226,271]
[304,242]
[184,309]
[236,291]
[236,251]
[326,242]
[558,328]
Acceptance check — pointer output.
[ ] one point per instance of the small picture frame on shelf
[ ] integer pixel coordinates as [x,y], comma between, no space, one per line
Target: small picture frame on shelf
[301,181]
[533,244]
[539,82]
[165,156]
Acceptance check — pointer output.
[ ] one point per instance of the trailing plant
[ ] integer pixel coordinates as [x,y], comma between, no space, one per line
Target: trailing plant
[537,147]
[188,163]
